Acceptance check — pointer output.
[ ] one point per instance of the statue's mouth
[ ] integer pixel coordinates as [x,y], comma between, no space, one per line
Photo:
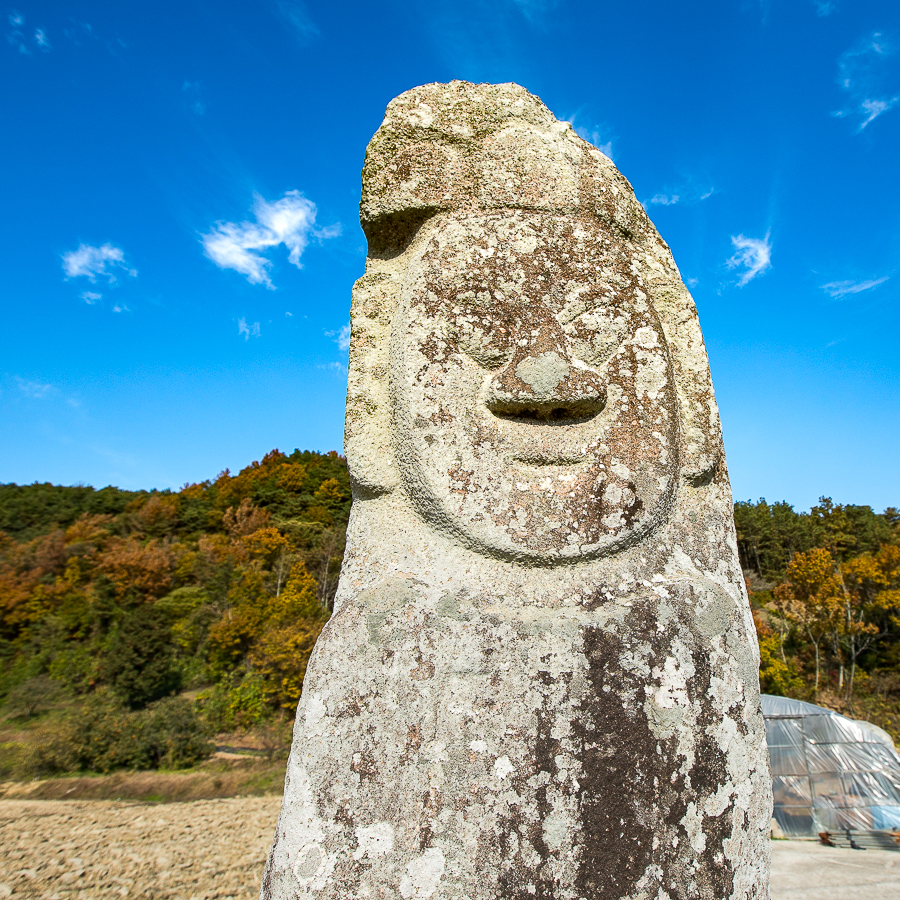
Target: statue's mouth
[529,412]
[544,459]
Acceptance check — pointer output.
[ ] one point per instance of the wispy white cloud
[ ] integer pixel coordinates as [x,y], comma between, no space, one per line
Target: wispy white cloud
[341,337]
[868,74]
[329,231]
[33,389]
[17,37]
[533,9]
[91,297]
[839,289]
[120,308]
[754,255]
[664,199]
[248,331]
[874,108]
[289,221]
[687,194]
[296,13]
[93,262]
[191,90]
[598,135]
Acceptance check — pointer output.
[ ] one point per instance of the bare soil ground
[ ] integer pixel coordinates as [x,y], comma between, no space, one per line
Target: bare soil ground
[94,849]
[205,849]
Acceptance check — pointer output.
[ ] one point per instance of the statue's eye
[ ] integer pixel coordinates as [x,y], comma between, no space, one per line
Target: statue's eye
[596,334]
[487,343]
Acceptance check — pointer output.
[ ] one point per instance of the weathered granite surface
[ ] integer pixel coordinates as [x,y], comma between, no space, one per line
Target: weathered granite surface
[540,680]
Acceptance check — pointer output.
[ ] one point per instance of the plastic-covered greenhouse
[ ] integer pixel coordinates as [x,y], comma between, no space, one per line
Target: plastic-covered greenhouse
[830,773]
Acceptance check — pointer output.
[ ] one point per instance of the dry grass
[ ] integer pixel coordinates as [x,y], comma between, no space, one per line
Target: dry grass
[215,779]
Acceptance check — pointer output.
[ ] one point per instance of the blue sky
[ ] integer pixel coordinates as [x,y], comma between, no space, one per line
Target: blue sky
[180,229]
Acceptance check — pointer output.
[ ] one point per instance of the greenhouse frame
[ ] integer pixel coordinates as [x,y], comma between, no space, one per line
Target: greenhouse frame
[829,773]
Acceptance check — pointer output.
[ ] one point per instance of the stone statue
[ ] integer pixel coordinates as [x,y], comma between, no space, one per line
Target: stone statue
[540,678]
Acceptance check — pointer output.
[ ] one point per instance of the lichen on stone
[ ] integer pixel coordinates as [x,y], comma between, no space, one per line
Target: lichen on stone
[540,679]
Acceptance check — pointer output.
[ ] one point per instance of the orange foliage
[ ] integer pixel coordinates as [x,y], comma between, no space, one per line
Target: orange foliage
[266,544]
[88,529]
[257,622]
[158,515]
[245,519]
[130,564]
[216,548]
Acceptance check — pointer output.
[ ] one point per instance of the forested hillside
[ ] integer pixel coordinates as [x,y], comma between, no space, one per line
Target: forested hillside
[825,587]
[127,598]
[167,616]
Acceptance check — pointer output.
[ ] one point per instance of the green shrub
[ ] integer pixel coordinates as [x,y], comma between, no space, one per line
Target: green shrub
[32,696]
[140,663]
[105,736]
[74,666]
[239,704]
[174,735]
[48,752]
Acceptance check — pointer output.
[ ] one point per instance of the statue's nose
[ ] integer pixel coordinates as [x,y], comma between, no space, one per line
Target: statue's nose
[542,381]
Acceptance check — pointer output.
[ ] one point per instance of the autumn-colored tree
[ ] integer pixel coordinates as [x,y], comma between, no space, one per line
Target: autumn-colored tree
[158,516]
[17,587]
[877,577]
[776,675]
[244,619]
[245,519]
[138,570]
[872,592]
[281,656]
[282,651]
[267,545]
[275,634]
[811,595]
[88,532]
[291,476]
[330,491]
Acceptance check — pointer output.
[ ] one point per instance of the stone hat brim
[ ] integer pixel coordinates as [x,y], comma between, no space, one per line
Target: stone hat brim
[462,146]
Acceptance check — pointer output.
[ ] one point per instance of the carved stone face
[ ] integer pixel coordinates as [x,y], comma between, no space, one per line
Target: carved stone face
[533,397]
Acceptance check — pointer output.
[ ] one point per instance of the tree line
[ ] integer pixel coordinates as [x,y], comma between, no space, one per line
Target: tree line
[174,614]
[825,587]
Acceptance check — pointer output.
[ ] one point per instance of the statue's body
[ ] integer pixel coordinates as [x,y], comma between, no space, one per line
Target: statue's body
[540,679]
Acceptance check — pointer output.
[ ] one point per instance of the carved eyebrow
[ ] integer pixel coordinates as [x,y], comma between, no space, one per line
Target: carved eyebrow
[579,305]
[573,309]
[570,312]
